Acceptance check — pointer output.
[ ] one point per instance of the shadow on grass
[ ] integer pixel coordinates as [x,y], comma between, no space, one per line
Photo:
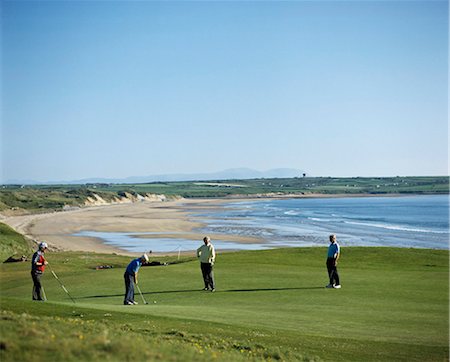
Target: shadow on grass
[268,289]
[201,290]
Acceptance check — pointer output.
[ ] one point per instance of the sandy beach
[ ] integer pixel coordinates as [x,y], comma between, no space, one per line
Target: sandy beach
[57,228]
[181,224]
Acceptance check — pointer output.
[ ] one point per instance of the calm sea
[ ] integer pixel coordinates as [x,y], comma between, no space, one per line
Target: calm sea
[409,221]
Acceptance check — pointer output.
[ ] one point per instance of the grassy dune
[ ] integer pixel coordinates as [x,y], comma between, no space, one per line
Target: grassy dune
[12,243]
[268,305]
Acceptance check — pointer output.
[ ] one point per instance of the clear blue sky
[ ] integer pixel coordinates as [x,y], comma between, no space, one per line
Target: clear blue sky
[117,89]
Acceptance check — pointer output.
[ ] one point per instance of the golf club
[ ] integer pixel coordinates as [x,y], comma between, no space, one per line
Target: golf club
[43,293]
[143,299]
[60,282]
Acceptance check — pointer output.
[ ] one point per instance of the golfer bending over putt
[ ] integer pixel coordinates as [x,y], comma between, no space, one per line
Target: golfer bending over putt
[131,278]
[207,255]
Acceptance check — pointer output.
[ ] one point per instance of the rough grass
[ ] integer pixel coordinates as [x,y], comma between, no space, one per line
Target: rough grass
[269,305]
[76,338]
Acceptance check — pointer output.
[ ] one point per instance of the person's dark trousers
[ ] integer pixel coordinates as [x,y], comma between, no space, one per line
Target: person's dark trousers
[129,288]
[332,271]
[208,275]
[36,276]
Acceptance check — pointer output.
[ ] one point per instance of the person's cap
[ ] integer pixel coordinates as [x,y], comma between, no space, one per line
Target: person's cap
[145,257]
[43,245]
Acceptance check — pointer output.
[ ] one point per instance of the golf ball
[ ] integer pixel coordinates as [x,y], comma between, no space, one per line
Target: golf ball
[154,301]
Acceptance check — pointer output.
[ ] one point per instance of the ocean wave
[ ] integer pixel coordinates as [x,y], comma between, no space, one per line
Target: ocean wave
[292,212]
[397,227]
[318,219]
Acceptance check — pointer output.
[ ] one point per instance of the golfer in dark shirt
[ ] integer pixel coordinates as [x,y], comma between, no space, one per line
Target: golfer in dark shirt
[334,252]
[38,264]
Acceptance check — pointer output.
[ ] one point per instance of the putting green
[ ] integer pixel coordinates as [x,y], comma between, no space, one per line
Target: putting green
[393,305]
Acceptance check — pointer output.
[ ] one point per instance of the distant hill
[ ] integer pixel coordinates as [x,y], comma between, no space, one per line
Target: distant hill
[230,174]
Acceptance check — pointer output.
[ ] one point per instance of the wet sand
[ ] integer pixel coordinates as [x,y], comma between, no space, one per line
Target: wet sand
[172,218]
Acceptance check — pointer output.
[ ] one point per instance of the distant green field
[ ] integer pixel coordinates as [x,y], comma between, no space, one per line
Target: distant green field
[55,197]
[269,305]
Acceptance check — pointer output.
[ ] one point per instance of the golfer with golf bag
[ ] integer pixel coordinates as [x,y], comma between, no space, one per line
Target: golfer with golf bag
[38,264]
[131,278]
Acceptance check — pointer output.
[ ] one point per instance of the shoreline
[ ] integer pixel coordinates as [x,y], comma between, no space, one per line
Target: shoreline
[153,219]
[168,218]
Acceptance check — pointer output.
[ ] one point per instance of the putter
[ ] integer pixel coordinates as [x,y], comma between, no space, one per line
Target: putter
[60,282]
[43,293]
[142,295]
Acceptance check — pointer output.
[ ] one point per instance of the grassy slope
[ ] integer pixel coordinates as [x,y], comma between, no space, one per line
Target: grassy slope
[12,243]
[269,304]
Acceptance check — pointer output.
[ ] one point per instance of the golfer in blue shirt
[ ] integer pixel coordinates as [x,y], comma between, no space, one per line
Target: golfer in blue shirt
[131,278]
[334,252]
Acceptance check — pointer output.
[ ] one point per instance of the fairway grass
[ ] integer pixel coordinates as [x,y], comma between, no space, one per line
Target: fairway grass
[268,305]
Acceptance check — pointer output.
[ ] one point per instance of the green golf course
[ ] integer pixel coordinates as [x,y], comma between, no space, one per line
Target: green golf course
[269,305]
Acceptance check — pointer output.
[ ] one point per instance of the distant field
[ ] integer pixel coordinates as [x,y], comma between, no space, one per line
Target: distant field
[269,305]
[56,197]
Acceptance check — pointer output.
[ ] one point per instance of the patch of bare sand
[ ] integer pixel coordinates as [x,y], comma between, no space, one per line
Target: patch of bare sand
[173,219]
